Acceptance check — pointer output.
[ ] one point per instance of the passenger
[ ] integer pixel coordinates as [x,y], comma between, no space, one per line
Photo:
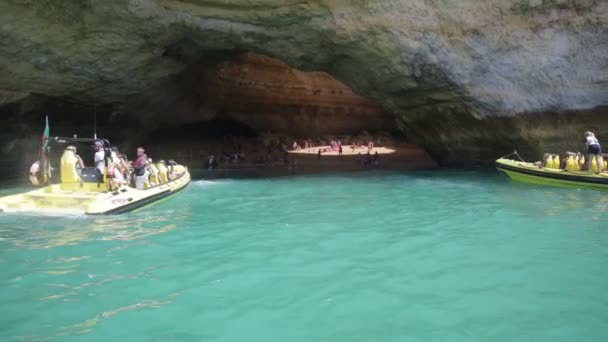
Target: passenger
[153,179]
[114,155]
[162,171]
[547,161]
[556,161]
[116,175]
[170,170]
[593,150]
[99,156]
[568,161]
[125,166]
[139,169]
[79,162]
[35,173]
[295,146]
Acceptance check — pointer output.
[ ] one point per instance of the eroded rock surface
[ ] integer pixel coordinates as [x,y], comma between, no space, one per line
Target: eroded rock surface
[459,75]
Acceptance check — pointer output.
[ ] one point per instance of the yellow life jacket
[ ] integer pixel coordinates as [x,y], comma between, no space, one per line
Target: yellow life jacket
[556,162]
[162,172]
[570,164]
[549,161]
[153,173]
[68,167]
[594,164]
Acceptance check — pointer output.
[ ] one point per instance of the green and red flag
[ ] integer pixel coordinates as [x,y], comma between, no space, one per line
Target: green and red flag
[45,138]
[45,134]
[44,164]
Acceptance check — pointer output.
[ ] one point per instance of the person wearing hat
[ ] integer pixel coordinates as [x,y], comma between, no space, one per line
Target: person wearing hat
[593,149]
[99,156]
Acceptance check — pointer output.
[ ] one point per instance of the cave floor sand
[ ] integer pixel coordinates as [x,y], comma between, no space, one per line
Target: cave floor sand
[346,151]
[403,157]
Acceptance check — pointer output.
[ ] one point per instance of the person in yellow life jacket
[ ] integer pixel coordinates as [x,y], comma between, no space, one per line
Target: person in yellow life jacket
[153,179]
[162,172]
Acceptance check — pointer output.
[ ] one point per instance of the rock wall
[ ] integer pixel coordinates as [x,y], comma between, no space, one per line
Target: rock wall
[459,76]
[265,93]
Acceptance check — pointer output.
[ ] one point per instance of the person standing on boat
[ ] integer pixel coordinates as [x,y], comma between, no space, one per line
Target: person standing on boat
[99,156]
[139,168]
[593,149]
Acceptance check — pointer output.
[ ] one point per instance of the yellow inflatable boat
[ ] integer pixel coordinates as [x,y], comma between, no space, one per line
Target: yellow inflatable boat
[88,192]
[531,173]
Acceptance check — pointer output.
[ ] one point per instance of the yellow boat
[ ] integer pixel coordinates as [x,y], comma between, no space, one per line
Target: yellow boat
[531,173]
[83,194]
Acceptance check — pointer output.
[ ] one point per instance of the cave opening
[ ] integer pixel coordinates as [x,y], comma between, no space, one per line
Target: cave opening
[247,94]
[220,104]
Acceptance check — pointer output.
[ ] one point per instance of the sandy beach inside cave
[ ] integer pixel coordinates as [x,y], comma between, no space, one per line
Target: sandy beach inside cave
[346,151]
[398,156]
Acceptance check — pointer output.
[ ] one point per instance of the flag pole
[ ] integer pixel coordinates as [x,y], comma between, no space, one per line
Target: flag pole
[94,119]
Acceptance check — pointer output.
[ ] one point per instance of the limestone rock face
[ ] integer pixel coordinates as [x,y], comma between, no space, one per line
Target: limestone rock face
[263,93]
[459,76]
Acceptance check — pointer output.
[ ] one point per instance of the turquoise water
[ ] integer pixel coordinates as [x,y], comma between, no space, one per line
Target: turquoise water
[446,256]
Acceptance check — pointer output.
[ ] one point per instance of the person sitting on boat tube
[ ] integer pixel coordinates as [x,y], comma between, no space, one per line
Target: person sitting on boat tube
[35,173]
[593,149]
[139,169]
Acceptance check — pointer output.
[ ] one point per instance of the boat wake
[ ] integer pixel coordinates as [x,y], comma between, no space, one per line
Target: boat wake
[206,183]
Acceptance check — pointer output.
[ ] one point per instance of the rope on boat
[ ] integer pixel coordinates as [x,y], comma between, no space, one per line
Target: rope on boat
[514,153]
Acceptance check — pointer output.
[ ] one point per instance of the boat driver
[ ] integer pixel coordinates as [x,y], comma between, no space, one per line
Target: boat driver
[99,156]
[593,149]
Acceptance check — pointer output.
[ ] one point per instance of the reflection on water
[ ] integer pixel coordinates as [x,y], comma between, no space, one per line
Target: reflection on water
[86,326]
[76,230]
